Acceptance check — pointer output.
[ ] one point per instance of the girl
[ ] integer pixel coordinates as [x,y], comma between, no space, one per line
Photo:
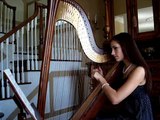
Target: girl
[135,84]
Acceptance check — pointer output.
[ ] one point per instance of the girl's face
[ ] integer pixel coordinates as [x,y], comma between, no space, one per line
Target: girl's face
[116,51]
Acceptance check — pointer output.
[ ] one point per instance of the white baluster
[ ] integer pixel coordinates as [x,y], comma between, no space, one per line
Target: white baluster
[1,7]
[69,42]
[11,19]
[17,58]
[58,45]
[28,39]
[13,51]
[2,68]
[7,21]
[45,17]
[22,57]
[4,18]
[7,66]
[72,47]
[32,56]
[54,43]
[35,46]
[61,42]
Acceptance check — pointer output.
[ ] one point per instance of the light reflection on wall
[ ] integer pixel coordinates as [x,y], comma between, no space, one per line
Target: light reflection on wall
[145,21]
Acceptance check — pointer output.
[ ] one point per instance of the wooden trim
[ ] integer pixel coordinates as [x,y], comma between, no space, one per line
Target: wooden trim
[109,13]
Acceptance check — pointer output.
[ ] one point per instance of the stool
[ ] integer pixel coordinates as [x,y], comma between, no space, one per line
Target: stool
[1,115]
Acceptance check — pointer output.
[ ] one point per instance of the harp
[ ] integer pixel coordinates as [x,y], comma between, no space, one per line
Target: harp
[74,14]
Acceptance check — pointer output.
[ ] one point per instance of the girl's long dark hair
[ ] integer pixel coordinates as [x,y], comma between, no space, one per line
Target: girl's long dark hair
[131,51]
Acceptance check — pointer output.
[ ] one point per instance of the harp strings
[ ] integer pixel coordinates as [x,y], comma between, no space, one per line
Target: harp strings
[69,72]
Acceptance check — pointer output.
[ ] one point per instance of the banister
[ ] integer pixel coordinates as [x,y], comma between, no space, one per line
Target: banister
[8,4]
[14,12]
[16,28]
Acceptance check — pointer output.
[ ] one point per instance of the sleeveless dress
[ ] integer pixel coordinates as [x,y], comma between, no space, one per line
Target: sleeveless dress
[136,106]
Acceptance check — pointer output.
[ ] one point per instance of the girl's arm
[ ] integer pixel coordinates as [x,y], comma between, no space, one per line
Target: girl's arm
[136,78]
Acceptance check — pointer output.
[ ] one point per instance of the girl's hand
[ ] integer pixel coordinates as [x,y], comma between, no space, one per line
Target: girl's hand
[95,69]
[97,76]
[97,73]
[100,71]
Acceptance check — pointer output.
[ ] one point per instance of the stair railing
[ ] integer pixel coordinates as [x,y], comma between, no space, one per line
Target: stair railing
[19,50]
[7,17]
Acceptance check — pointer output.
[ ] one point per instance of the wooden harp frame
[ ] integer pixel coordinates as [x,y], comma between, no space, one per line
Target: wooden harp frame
[87,41]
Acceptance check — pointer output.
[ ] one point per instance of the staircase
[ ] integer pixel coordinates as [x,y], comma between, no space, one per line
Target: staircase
[19,45]
[7,17]
[19,51]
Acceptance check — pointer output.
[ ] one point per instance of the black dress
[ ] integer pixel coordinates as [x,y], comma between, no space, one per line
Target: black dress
[136,106]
